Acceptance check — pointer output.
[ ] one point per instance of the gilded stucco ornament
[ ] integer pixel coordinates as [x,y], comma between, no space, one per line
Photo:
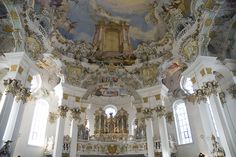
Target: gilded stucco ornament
[232,91]
[23,94]
[201,94]
[218,150]
[74,73]
[112,149]
[12,86]
[33,47]
[147,113]
[75,113]
[63,110]
[222,98]
[210,87]
[156,49]
[169,117]
[148,74]
[52,117]
[160,110]
[190,49]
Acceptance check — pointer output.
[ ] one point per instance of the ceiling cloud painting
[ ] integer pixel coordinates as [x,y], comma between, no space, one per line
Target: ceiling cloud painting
[82,16]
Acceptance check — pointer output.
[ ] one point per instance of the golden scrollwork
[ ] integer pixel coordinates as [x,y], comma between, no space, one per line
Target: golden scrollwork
[63,110]
[169,117]
[147,113]
[232,91]
[160,111]
[201,94]
[112,149]
[190,48]
[23,94]
[218,151]
[12,85]
[75,113]
[52,117]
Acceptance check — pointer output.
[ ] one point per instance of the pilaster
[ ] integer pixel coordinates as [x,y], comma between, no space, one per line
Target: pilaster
[75,113]
[12,86]
[58,147]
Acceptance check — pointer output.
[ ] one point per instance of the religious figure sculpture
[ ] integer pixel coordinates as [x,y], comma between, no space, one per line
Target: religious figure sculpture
[218,151]
[4,151]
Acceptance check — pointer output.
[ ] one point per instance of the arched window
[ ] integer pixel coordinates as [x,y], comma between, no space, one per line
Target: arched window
[182,123]
[38,127]
[186,85]
[110,109]
[36,83]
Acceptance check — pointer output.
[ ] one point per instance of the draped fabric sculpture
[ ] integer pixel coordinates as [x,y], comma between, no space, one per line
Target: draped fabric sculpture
[140,129]
[83,132]
[4,151]
[111,128]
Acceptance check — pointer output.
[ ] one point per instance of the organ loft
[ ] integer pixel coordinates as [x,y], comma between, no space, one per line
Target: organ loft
[113,128]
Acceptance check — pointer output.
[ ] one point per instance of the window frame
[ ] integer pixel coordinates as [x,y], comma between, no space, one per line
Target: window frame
[39,120]
[112,107]
[182,125]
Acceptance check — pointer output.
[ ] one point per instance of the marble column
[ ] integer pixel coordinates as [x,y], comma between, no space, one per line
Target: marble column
[12,86]
[165,147]
[75,113]
[14,122]
[149,132]
[161,114]
[207,125]
[221,125]
[59,137]
[210,89]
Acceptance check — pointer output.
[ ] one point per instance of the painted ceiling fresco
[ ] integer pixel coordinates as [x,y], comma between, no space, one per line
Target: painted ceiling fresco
[114,47]
[83,15]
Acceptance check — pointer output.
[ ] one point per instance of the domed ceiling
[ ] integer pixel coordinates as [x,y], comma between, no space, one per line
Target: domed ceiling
[114,47]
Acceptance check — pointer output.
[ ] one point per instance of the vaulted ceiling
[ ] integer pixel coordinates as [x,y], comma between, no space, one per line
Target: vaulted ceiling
[114,47]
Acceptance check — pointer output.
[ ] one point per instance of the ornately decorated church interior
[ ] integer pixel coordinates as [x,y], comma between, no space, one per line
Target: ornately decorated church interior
[118,78]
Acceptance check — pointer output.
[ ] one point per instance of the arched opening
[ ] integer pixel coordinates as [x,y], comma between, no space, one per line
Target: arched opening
[186,85]
[39,123]
[182,123]
[36,83]
[110,110]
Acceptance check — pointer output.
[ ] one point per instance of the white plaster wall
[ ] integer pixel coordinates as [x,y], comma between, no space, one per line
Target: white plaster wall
[22,148]
[192,149]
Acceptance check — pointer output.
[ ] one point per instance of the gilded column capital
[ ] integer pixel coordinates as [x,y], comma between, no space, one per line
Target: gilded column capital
[169,117]
[160,110]
[147,113]
[23,94]
[63,109]
[75,113]
[201,94]
[210,87]
[12,85]
[232,91]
